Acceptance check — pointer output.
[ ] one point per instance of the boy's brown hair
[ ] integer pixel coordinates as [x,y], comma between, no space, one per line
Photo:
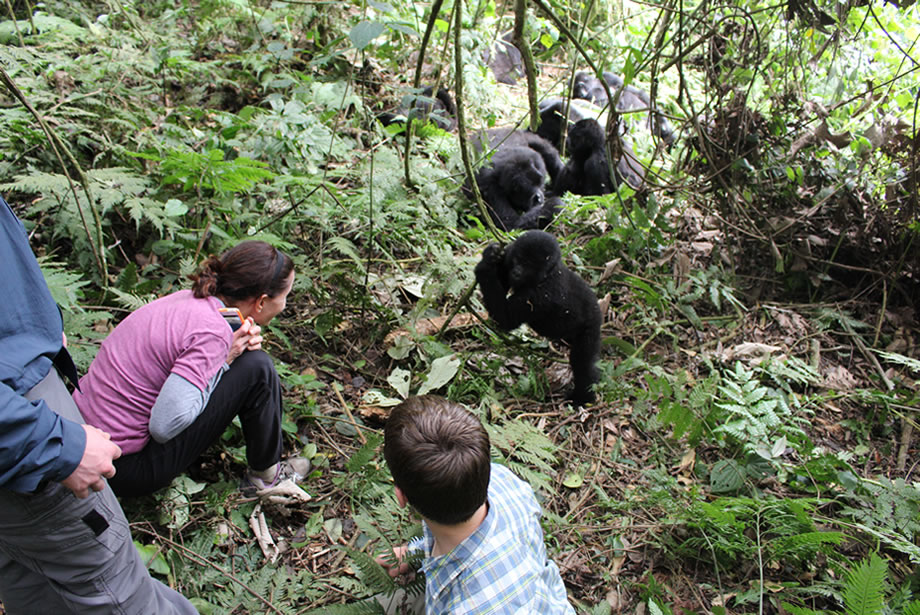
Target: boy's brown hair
[438,454]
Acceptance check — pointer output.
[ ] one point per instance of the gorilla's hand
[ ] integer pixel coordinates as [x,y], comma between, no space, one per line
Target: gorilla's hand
[492,277]
[492,257]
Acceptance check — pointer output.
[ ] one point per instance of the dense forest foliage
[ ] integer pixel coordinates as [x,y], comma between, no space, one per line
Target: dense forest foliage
[753,447]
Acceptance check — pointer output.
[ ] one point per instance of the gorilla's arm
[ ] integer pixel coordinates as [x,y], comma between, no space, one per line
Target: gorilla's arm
[548,153]
[597,175]
[567,180]
[493,282]
[539,216]
[584,350]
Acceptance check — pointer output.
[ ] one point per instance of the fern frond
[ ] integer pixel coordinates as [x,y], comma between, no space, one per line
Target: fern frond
[362,607]
[373,574]
[130,300]
[912,608]
[899,359]
[864,587]
[365,454]
[65,286]
[800,610]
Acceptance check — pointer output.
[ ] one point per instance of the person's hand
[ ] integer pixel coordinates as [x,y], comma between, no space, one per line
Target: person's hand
[255,337]
[395,564]
[247,337]
[96,464]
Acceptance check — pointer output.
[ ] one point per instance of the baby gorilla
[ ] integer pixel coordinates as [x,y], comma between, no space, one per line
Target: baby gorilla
[546,295]
[586,171]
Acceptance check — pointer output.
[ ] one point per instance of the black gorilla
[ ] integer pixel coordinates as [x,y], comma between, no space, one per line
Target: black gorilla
[586,172]
[513,182]
[553,125]
[439,109]
[546,295]
[588,87]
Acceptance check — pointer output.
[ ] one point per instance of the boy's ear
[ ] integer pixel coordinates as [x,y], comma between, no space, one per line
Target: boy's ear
[401,497]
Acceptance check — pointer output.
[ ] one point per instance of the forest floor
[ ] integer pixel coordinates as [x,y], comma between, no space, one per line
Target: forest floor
[611,443]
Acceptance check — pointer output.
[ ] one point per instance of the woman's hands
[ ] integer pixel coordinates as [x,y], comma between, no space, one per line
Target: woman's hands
[247,337]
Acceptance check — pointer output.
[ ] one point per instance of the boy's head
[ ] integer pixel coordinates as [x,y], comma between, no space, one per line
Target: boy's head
[438,454]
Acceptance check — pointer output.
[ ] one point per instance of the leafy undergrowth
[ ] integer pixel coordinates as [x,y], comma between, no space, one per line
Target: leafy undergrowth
[753,446]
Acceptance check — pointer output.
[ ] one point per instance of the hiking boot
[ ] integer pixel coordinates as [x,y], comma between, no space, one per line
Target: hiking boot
[294,468]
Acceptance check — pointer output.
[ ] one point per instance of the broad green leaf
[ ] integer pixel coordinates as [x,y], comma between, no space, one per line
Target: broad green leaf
[401,347]
[399,380]
[442,371]
[726,476]
[333,529]
[152,556]
[365,32]
[573,480]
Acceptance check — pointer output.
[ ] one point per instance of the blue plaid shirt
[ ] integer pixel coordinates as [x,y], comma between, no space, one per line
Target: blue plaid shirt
[502,567]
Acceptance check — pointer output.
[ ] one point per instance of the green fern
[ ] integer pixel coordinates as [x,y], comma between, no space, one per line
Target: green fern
[757,414]
[800,610]
[864,587]
[361,607]
[377,581]
[365,454]
[129,300]
[66,286]
[374,575]
[912,608]
[210,172]
[526,450]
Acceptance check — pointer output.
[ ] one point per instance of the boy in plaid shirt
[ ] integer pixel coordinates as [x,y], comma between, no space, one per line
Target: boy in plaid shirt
[483,543]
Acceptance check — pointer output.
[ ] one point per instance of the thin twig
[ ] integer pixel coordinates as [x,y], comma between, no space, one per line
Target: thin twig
[461,122]
[9,7]
[348,413]
[57,147]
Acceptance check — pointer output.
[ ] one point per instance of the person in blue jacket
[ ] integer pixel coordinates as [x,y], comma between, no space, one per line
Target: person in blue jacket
[65,545]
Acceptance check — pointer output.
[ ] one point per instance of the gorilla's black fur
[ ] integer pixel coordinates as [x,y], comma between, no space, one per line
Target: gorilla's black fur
[586,172]
[513,182]
[588,87]
[546,295]
[439,109]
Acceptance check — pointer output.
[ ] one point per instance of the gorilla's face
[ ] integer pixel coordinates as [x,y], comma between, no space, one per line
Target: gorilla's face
[522,175]
[580,87]
[531,258]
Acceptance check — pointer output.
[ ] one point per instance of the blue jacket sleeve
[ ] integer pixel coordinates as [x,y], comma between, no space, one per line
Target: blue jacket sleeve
[35,443]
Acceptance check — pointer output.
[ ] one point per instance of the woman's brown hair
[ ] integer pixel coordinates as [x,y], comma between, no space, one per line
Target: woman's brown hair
[248,269]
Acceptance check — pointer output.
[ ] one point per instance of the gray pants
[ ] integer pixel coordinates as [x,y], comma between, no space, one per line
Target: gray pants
[60,554]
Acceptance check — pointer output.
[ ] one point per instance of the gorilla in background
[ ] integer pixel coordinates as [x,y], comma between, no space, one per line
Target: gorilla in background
[513,182]
[553,125]
[549,297]
[588,87]
[438,109]
[586,172]
[505,60]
